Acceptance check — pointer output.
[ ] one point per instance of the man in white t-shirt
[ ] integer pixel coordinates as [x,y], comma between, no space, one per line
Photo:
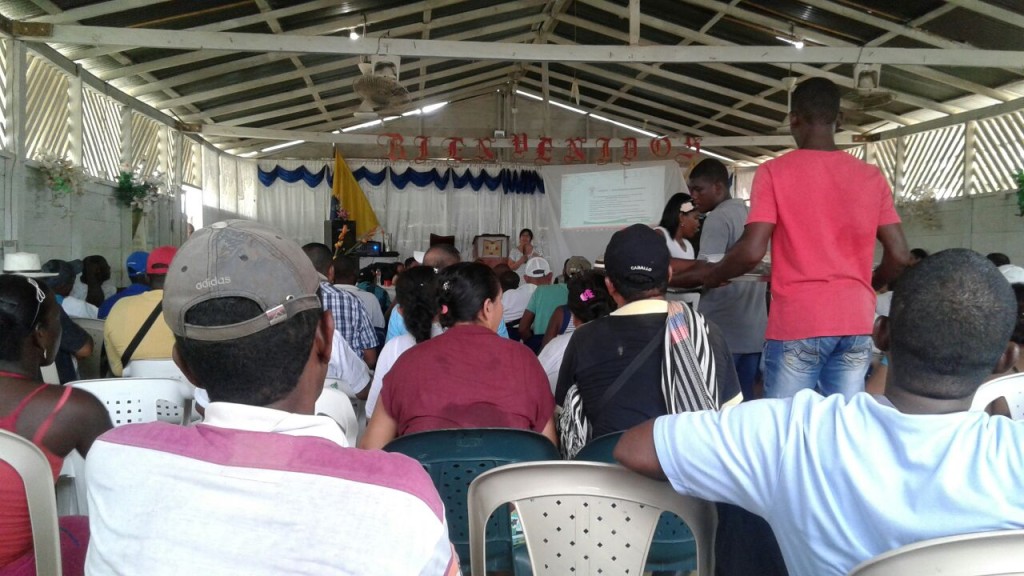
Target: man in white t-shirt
[841,481]
[93,284]
[262,486]
[514,298]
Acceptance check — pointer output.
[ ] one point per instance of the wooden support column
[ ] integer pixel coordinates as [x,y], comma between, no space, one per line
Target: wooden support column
[16,136]
[75,119]
[634,22]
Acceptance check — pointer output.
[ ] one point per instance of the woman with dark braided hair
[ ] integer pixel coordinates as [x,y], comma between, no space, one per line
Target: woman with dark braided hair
[468,377]
[416,296]
[57,420]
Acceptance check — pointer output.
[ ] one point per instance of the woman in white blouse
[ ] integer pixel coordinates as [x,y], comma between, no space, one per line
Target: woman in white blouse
[679,224]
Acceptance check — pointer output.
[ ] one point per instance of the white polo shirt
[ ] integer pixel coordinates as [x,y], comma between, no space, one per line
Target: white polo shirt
[258,491]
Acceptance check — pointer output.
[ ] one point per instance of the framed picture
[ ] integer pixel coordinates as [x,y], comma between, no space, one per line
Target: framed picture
[490,247]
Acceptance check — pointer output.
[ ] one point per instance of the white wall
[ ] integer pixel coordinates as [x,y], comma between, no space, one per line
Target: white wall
[97,225]
[986,224]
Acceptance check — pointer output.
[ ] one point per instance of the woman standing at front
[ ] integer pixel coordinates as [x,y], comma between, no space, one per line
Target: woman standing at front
[680,223]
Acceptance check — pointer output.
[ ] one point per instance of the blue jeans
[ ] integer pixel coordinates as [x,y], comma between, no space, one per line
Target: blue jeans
[830,364]
[748,368]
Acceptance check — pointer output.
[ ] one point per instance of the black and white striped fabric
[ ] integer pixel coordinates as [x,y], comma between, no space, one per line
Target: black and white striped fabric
[688,379]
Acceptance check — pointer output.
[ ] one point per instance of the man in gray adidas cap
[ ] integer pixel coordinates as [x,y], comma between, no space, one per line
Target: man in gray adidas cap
[258,486]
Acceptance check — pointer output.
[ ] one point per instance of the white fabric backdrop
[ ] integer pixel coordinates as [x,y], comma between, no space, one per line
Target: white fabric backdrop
[295,209]
[410,215]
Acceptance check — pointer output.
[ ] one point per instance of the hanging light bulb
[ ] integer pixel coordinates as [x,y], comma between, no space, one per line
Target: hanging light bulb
[354,35]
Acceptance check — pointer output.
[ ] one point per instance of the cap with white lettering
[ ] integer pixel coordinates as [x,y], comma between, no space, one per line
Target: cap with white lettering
[244,259]
[638,256]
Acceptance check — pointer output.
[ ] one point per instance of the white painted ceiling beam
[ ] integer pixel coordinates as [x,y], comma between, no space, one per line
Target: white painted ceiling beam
[93,11]
[468,50]
[655,70]
[245,145]
[631,117]
[325,26]
[434,93]
[600,89]
[992,11]
[775,86]
[270,100]
[196,58]
[259,81]
[352,138]
[686,42]
[773,83]
[262,59]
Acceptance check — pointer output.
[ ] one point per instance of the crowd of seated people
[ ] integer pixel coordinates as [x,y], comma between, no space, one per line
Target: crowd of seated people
[451,369]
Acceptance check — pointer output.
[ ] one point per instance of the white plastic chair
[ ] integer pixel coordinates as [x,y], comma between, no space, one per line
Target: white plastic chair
[336,405]
[134,400]
[71,498]
[1010,387]
[999,553]
[29,463]
[585,517]
[164,368]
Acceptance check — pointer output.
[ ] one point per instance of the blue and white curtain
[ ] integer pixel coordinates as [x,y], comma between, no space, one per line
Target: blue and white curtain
[411,200]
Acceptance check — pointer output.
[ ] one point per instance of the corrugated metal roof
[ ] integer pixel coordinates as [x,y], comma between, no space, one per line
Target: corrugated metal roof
[288,90]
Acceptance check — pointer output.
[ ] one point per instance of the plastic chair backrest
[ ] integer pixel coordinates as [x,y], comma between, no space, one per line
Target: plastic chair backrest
[163,368]
[89,368]
[585,517]
[980,554]
[71,496]
[134,400]
[600,449]
[454,458]
[29,463]
[336,405]
[50,375]
[673,548]
[1010,387]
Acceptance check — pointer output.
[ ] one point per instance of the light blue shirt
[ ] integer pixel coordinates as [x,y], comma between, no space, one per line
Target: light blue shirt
[396,326]
[843,482]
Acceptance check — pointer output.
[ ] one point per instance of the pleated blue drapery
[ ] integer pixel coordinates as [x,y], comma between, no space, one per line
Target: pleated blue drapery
[509,180]
[312,179]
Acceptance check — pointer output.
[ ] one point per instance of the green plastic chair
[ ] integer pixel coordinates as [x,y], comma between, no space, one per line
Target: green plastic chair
[673,548]
[453,458]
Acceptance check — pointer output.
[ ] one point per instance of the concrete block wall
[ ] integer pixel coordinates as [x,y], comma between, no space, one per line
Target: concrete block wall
[96,225]
[986,224]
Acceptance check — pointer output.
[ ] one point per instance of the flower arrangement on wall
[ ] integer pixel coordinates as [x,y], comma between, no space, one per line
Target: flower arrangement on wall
[63,180]
[920,205]
[136,191]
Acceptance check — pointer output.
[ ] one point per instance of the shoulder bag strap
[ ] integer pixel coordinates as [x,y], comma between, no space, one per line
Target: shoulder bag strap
[127,355]
[629,371]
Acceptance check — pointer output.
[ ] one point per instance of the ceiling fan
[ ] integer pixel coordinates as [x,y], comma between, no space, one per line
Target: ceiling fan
[867,93]
[378,87]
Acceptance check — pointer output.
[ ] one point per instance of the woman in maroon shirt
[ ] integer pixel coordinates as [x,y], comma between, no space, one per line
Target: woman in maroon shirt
[468,377]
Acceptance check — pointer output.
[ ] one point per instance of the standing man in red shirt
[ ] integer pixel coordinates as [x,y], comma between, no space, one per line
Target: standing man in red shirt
[822,209]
